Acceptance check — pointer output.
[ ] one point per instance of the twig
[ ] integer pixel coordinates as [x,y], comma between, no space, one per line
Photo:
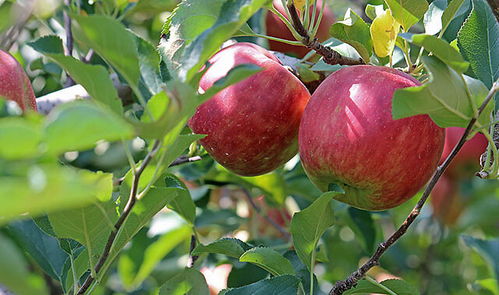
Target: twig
[192,258]
[128,208]
[495,8]
[258,211]
[329,55]
[185,159]
[68,50]
[351,281]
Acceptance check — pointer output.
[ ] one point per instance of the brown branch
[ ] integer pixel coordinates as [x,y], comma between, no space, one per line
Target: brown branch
[329,55]
[128,208]
[258,211]
[68,50]
[185,159]
[351,281]
[192,258]
[495,8]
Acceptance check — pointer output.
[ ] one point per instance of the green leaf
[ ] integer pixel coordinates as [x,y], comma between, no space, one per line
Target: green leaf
[48,188]
[433,17]
[159,249]
[236,74]
[441,49]
[488,249]
[354,30]
[79,125]
[301,271]
[94,78]
[478,41]
[149,60]
[268,259]
[281,285]
[23,138]
[188,282]
[110,39]
[44,249]
[308,225]
[14,272]
[398,287]
[363,225]
[90,226]
[183,203]
[226,246]
[449,13]
[444,97]
[145,208]
[372,11]
[210,34]
[488,284]
[407,13]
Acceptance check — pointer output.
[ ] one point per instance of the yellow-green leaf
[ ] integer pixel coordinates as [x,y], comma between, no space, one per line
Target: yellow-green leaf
[384,30]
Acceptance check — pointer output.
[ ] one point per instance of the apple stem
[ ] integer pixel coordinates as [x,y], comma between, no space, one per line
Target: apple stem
[329,55]
[350,282]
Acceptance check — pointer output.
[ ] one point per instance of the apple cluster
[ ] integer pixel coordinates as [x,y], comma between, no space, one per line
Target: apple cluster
[344,132]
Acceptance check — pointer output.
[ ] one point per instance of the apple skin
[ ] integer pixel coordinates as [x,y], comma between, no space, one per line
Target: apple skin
[15,84]
[348,137]
[467,161]
[276,28]
[251,126]
[446,201]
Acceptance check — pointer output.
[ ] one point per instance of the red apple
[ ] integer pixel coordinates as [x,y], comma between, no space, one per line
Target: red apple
[14,83]
[252,126]
[467,161]
[348,137]
[446,201]
[276,28]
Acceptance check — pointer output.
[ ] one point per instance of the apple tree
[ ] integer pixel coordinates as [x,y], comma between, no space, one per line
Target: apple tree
[249,147]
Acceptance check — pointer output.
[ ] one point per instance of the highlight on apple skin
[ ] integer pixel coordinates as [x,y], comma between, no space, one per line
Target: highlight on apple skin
[348,137]
[251,126]
[14,83]
[276,28]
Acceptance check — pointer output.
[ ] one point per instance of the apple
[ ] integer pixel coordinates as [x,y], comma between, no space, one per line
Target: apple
[15,84]
[467,160]
[276,28]
[251,126]
[446,201]
[348,137]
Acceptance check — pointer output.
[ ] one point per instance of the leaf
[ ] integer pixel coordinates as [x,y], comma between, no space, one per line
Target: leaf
[183,203]
[90,226]
[44,249]
[149,60]
[308,225]
[444,97]
[372,11]
[159,249]
[23,138]
[14,272]
[488,249]
[354,30]
[407,13]
[302,272]
[94,78]
[188,282]
[441,49]
[204,45]
[449,13]
[79,125]
[110,39]
[398,287]
[226,246]
[235,75]
[363,226]
[384,30]
[478,41]
[49,188]
[268,259]
[432,20]
[281,285]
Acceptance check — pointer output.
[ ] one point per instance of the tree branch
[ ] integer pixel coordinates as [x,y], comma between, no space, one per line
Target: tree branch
[68,50]
[351,281]
[126,211]
[495,8]
[185,159]
[330,56]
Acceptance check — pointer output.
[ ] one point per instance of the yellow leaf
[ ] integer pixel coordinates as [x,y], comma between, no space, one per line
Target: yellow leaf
[384,30]
[300,4]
